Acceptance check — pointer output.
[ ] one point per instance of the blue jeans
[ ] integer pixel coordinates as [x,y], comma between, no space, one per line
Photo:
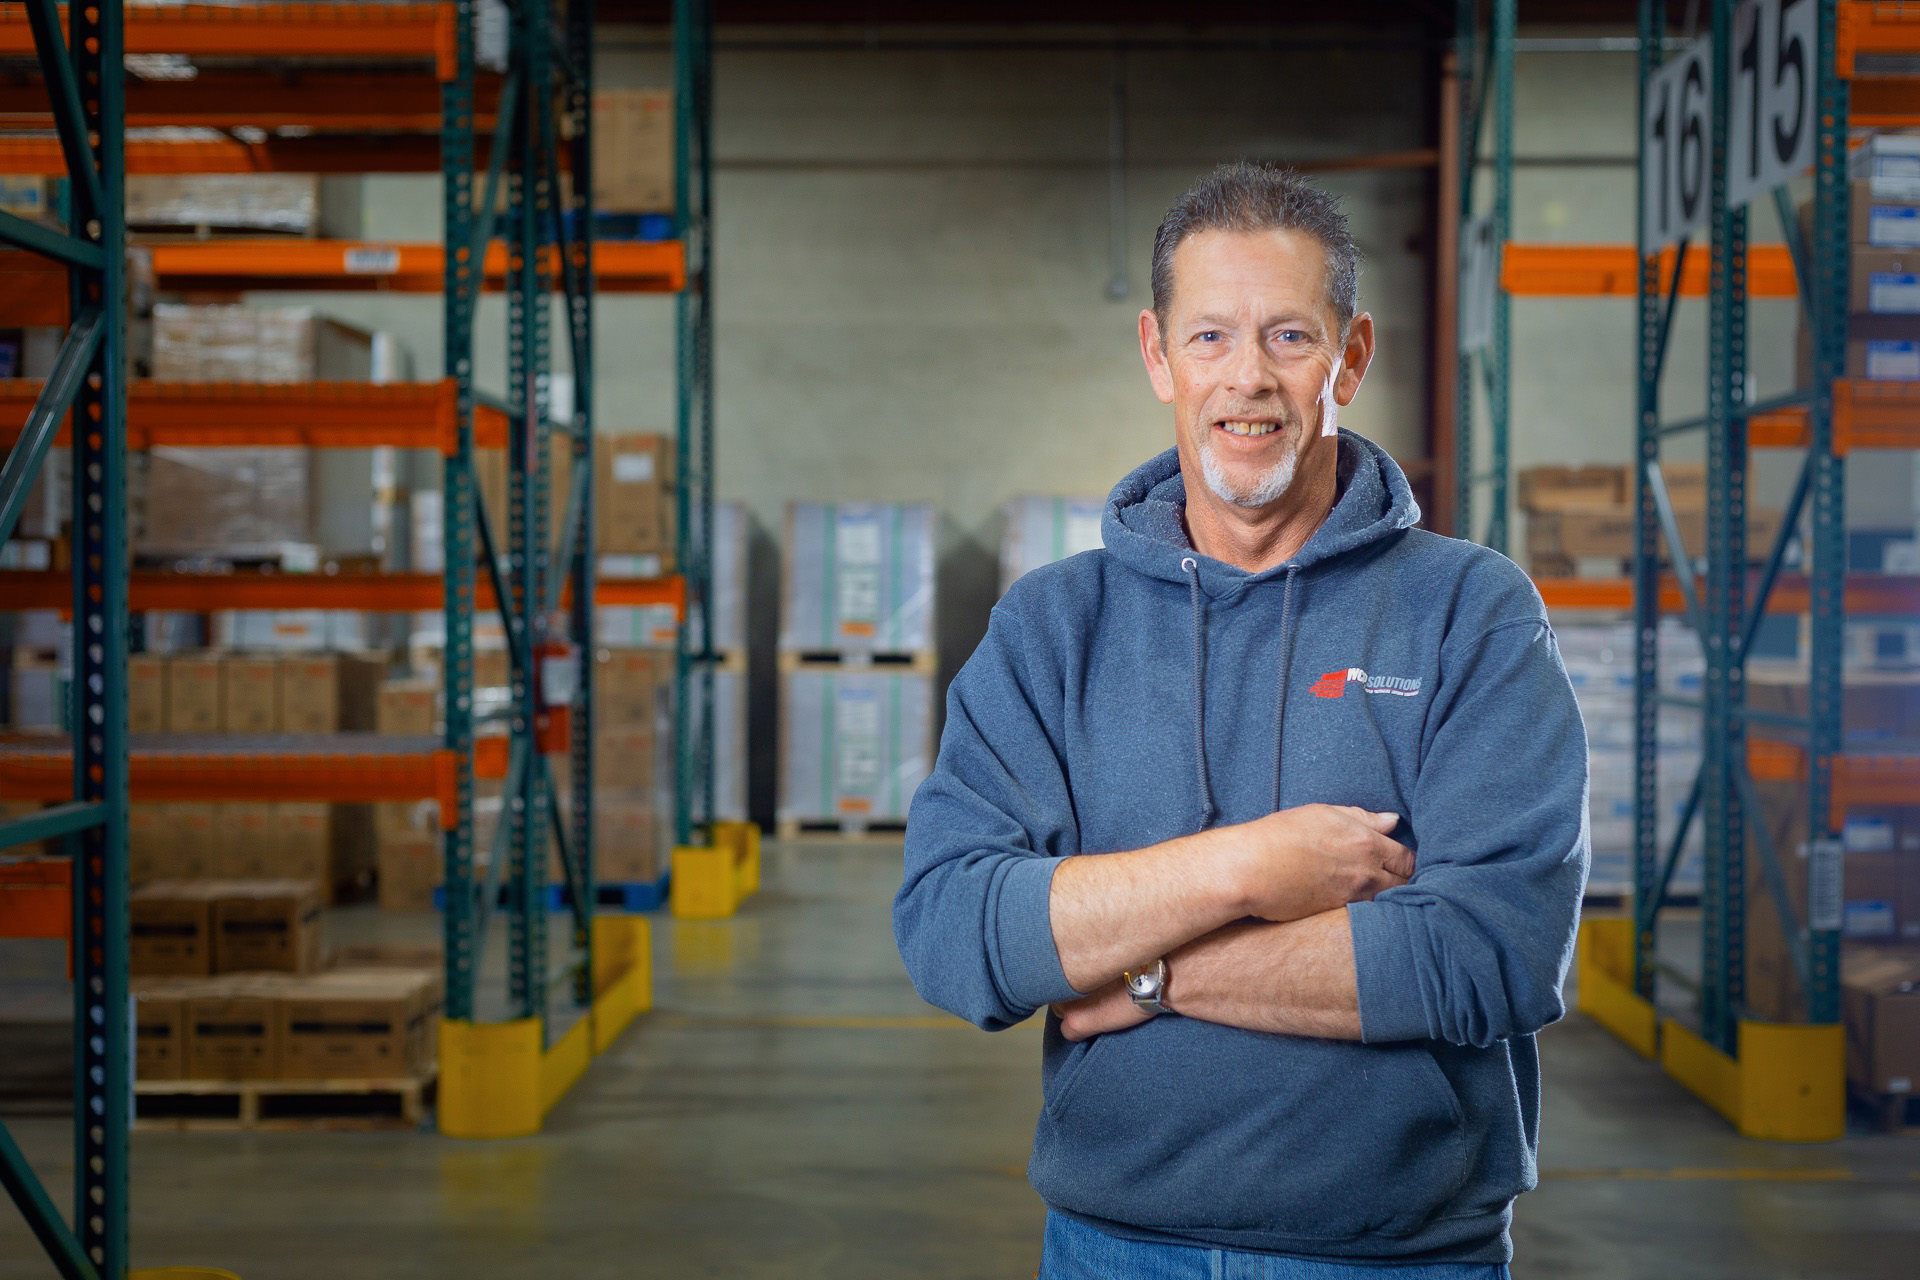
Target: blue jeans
[1075,1251]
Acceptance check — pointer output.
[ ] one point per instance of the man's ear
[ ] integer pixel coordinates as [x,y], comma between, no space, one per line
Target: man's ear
[1354,360]
[1153,350]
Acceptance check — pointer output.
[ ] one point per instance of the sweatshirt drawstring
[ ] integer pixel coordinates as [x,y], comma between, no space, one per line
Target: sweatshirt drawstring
[1192,569]
[1286,665]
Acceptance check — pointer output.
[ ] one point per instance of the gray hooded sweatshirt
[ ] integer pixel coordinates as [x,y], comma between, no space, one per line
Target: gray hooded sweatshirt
[1132,695]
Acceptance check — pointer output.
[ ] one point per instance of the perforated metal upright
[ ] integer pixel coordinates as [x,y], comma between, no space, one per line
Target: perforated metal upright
[1486,81]
[694,655]
[84,78]
[542,582]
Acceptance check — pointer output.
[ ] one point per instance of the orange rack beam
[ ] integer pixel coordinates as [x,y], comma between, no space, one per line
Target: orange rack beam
[1866,415]
[369,592]
[1859,778]
[1874,27]
[314,415]
[36,895]
[1866,594]
[1884,104]
[1613,271]
[362,768]
[397,152]
[363,32]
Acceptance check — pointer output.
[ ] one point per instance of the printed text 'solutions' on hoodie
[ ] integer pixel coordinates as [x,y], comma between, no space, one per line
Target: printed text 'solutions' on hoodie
[1132,695]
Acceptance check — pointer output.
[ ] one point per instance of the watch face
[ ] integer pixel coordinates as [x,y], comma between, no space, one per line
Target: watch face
[1145,983]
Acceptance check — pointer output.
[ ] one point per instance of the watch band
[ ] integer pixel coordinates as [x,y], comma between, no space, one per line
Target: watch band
[1147,988]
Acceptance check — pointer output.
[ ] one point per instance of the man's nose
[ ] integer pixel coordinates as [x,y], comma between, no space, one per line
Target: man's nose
[1254,371]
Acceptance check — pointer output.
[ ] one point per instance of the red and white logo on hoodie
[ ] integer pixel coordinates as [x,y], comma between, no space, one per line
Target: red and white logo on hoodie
[1334,684]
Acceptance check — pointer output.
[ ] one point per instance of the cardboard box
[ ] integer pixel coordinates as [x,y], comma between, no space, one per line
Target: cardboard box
[624,759]
[633,151]
[303,844]
[409,871]
[1879,708]
[626,841]
[1871,884]
[159,1028]
[232,1032]
[1884,282]
[359,1025]
[1607,532]
[32,197]
[171,929]
[405,819]
[285,202]
[408,707]
[1880,1000]
[1883,348]
[250,693]
[633,494]
[146,693]
[329,693]
[1558,488]
[630,687]
[152,843]
[267,926]
[196,833]
[193,693]
[353,851]
[212,499]
[245,843]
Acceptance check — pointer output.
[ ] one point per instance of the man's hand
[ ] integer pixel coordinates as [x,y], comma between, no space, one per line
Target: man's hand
[1300,862]
[1108,1009]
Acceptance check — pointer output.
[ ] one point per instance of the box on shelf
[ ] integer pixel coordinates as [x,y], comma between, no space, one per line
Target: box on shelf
[171,928]
[34,683]
[407,706]
[26,196]
[267,926]
[859,578]
[193,693]
[1607,532]
[633,151]
[410,867]
[855,745]
[630,686]
[359,1024]
[1561,488]
[220,500]
[626,757]
[249,693]
[232,1031]
[290,630]
[633,494]
[159,1028]
[303,841]
[330,693]
[1880,1000]
[146,693]
[285,202]
[1880,348]
[243,843]
[235,343]
[1039,530]
[1878,707]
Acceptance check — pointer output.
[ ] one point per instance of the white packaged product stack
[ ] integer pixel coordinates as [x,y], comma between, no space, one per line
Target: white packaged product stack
[1599,658]
[859,578]
[1039,530]
[730,746]
[856,744]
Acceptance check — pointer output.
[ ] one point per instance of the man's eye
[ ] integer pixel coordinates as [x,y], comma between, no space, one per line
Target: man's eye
[1291,336]
[1209,335]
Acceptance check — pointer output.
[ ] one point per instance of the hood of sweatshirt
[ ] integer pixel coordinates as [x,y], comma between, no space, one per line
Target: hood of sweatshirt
[1130,696]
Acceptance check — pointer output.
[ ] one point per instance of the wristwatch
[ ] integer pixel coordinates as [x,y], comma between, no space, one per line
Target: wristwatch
[1148,988]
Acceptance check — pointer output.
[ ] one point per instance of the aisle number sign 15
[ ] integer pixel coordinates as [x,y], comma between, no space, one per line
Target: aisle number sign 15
[1770,129]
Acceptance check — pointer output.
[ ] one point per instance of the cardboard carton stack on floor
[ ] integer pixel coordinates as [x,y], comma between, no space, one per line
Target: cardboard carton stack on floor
[1883,290]
[360,1019]
[632,763]
[1580,520]
[857,664]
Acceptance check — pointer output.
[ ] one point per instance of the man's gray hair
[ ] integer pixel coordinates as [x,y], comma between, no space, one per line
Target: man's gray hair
[1247,197]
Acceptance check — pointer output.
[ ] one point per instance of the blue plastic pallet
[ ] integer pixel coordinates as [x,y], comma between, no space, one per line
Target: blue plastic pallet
[642,895]
[626,226]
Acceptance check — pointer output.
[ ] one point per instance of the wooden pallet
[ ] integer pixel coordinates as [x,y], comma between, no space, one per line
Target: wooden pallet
[852,832]
[1896,1113]
[922,662]
[240,1105]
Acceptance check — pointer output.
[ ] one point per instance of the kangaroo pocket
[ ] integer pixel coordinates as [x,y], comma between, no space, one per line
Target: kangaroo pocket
[1184,1125]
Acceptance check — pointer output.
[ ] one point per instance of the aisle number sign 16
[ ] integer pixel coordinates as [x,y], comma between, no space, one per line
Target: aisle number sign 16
[1770,128]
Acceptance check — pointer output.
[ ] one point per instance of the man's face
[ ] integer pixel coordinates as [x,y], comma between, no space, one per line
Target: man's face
[1252,361]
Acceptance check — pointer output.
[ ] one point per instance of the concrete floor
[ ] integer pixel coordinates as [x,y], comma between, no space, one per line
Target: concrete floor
[792,1109]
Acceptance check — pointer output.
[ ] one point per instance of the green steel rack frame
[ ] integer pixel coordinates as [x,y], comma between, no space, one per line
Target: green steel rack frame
[1485,82]
[1723,610]
[85,80]
[694,655]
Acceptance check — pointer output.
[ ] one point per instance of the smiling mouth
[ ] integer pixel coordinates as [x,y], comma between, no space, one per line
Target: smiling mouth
[1238,427]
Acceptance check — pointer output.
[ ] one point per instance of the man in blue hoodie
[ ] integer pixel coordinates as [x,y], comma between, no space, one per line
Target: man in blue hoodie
[1277,805]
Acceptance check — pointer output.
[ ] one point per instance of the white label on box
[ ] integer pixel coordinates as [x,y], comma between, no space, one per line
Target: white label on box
[857,546]
[1869,920]
[1893,227]
[1867,835]
[1826,899]
[1894,293]
[1885,166]
[633,468]
[371,260]
[856,742]
[1889,361]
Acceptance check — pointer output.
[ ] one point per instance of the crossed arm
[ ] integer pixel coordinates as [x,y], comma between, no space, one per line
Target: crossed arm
[1251,919]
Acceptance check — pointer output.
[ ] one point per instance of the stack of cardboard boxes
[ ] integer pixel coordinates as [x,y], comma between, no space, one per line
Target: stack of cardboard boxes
[1883,291]
[233,693]
[227,985]
[1580,520]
